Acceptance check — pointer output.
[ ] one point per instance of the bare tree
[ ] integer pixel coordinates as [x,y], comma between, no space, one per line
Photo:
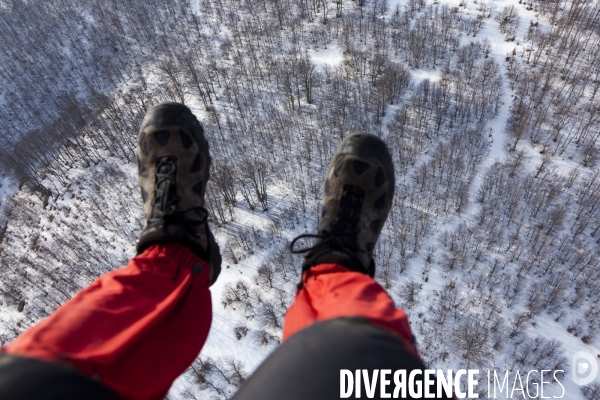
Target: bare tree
[471,338]
[409,291]
[257,173]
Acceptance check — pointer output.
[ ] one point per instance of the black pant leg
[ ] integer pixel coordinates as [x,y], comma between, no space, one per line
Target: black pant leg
[24,378]
[307,366]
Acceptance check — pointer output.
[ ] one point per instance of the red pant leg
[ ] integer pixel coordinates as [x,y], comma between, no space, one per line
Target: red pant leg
[332,291]
[136,328]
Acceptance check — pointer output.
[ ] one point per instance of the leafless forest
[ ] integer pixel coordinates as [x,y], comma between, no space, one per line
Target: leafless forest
[492,245]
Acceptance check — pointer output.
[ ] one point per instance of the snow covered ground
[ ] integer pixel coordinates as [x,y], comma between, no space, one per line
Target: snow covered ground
[459,291]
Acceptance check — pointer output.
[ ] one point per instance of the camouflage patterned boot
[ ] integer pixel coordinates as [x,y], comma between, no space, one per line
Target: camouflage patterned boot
[173,169]
[357,197]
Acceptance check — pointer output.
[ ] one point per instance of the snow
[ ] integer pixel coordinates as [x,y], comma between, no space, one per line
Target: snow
[331,57]
[8,187]
[419,75]
[549,329]
[59,220]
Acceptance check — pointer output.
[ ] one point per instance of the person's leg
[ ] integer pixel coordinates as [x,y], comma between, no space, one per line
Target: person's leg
[29,378]
[137,328]
[332,291]
[342,319]
[339,267]
[308,364]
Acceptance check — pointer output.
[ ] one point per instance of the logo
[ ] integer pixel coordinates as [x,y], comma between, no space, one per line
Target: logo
[584,367]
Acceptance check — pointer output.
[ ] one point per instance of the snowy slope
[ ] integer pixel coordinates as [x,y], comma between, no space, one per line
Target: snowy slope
[484,244]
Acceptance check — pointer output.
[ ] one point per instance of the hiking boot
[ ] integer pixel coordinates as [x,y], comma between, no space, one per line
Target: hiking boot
[357,197]
[173,169]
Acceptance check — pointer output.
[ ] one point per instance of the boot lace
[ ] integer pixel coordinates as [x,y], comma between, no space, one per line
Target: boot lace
[344,229]
[165,202]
